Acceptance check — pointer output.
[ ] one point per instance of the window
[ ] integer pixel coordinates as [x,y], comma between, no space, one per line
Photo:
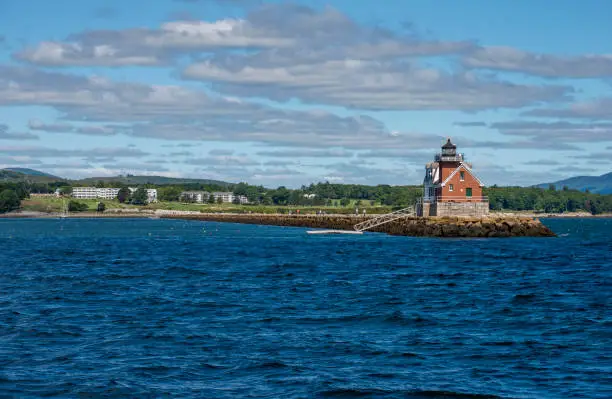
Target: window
[468,192]
[451,187]
[462,176]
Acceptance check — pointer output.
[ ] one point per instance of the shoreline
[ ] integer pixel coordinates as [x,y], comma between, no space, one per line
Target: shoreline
[492,226]
[161,213]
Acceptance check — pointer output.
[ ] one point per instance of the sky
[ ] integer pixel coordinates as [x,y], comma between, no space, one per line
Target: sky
[291,93]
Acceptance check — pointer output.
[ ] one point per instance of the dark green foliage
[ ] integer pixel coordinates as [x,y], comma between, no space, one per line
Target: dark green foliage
[139,197]
[211,199]
[9,201]
[30,172]
[101,207]
[65,190]
[124,195]
[75,206]
[280,196]
[547,200]
[219,200]
[21,189]
[169,193]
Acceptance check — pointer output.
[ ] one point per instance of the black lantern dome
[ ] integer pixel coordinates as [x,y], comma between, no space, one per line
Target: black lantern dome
[449,149]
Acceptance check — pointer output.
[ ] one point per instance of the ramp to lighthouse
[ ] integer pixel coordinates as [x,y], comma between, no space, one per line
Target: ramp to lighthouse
[383,219]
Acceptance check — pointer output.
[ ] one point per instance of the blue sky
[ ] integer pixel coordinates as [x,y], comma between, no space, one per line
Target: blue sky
[279,93]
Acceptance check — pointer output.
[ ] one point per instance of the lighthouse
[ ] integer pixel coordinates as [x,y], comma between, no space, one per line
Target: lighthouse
[450,186]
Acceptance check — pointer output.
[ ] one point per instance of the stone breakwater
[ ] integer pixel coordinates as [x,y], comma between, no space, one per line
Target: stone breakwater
[406,226]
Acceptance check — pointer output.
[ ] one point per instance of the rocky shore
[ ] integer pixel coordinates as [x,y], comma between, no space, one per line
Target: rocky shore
[406,226]
[494,226]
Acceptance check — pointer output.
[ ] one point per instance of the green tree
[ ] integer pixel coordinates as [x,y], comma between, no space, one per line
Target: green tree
[124,195]
[101,207]
[236,200]
[266,199]
[219,200]
[66,190]
[571,205]
[75,206]
[169,193]
[280,196]
[139,197]
[211,198]
[9,201]
[345,202]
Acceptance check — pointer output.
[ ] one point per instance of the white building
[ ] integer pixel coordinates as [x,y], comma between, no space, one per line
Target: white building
[229,197]
[107,193]
[195,196]
[84,192]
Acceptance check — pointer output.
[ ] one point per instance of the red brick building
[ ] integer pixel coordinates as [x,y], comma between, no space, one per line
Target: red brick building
[451,188]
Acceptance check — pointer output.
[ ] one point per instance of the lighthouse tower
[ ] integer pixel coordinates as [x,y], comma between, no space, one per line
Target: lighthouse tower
[451,188]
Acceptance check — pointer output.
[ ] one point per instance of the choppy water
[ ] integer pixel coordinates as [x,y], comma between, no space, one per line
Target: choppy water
[162,308]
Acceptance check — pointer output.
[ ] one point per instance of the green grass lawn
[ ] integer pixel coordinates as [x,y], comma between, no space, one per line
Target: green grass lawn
[51,204]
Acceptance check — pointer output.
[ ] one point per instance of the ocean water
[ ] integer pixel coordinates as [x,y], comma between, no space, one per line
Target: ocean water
[168,308]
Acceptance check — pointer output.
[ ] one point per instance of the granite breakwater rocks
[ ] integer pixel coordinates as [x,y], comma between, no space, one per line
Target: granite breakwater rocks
[405,226]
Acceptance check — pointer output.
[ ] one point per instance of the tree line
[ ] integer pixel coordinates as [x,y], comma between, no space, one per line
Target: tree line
[551,200]
[11,195]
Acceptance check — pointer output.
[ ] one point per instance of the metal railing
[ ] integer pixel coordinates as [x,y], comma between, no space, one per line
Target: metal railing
[449,158]
[386,218]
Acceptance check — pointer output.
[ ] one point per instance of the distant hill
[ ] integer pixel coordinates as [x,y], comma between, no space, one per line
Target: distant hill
[595,184]
[157,180]
[30,172]
[17,174]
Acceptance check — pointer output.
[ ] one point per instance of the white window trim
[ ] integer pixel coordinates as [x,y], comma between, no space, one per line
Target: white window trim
[451,188]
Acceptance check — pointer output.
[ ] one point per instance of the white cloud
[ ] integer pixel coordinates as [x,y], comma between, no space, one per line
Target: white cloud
[546,65]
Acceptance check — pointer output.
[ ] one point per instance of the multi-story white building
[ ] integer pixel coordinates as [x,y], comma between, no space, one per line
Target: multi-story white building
[84,192]
[225,196]
[195,196]
[241,198]
[229,197]
[108,193]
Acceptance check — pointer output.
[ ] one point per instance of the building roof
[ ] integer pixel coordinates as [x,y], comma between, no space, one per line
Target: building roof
[449,145]
[457,170]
